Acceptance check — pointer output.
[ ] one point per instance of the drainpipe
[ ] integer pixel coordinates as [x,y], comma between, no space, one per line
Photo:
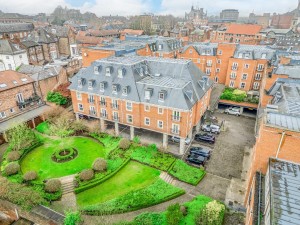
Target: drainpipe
[259,195]
[280,143]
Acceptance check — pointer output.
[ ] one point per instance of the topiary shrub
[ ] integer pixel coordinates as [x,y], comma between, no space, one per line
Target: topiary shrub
[99,165]
[211,214]
[183,209]
[52,185]
[87,174]
[12,168]
[29,176]
[124,144]
[13,156]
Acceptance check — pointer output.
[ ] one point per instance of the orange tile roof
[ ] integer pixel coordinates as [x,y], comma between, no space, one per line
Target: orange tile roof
[11,79]
[132,32]
[89,40]
[248,29]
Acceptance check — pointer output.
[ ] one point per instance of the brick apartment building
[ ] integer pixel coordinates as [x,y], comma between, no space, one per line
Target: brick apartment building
[144,46]
[237,33]
[15,31]
[166,96]
[276,196]
[278,134]
[235,65]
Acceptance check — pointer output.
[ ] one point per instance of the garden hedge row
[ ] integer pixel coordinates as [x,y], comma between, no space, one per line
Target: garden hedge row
[96,182]
[156,193]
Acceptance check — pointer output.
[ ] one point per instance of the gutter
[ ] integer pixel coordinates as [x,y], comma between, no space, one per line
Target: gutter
[280,144]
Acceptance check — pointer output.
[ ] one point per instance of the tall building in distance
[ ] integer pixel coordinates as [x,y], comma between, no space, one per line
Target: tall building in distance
[197,16]
[229,15]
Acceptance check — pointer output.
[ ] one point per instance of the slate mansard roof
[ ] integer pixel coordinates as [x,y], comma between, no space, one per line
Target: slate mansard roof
[182,83]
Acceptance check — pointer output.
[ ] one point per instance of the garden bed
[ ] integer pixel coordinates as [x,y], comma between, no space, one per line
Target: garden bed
[237,95]
[156,193]
[186,173]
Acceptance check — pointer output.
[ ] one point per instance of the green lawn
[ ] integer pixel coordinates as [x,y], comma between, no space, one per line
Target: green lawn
[40,160]
[132,177]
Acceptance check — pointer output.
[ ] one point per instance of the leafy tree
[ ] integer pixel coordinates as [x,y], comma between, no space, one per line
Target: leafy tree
[20,136]
[57,98]
[72,218]
[174,214]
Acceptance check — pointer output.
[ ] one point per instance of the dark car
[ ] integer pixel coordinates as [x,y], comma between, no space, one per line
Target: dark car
[205,138]
[196,159]
[200,151]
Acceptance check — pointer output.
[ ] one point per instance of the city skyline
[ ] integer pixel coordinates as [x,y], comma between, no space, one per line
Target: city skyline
[135,7]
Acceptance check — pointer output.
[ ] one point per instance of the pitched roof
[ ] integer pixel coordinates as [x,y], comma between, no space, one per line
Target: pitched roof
[180,80]
[247,29]
[11,79]
[132,32]
[89,40]
[41,36]
[8,48]
[15,27]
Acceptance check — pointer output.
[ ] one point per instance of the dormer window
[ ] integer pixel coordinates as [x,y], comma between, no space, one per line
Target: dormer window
[97,69]
[125,90]
[148,93]
[80,82]
[161,96]
[240,55]
[108,71]
[121,72]
[264,56]
[160,46]
[102,86]
[115,88]
[91,84]
[141,71]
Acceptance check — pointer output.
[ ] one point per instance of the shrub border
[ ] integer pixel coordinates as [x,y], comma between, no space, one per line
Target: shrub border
[170,197]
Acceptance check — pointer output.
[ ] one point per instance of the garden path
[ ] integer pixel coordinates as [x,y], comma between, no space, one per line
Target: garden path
[68,199]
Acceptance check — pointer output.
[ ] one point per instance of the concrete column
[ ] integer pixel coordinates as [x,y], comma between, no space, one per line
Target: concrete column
[5,136]
[190,136]
[117,132]
[131,132]
[33,123]
[102,125]
[198,127]
[182,146]
[241,110]
[77,116]
[165,141]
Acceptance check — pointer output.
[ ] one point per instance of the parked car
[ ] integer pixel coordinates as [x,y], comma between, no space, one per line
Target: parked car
[177,140]
[200,151]
[233,111]
[196,159]
[211,128]
[205,137]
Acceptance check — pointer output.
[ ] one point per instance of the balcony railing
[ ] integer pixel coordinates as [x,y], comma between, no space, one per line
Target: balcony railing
[91,101]
[175,131]
[114,106]
[103,115]
[176,118]
[115,118]
[260,68]
[102,103]
[28,101]
[92,113]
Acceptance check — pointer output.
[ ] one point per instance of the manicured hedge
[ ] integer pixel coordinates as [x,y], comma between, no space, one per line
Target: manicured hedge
[101,177]
[186,173]
[153,194]
[43,128]
[59,157]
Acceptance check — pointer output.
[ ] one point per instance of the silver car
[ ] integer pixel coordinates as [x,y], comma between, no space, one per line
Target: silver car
[233,111]
[211,128]
[177,140]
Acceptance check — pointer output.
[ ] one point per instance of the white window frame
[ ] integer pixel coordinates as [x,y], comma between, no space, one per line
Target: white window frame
[163,96]
[20,97]
[233,75]
[127,118]
[242,84]
[12,110]
[231,83]
[160,122]
[2,115]
[244,76]
[175,128]
[147,121]
[257,76]
[78,96]
[129,106]
[256,85]
[160,110]
[81,109]
[147,108]
[107,71]
[93,109]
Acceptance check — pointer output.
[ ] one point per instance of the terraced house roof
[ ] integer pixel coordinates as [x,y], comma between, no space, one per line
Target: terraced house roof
[166,82]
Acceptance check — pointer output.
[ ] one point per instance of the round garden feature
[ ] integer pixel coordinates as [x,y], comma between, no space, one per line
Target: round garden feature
[64,155]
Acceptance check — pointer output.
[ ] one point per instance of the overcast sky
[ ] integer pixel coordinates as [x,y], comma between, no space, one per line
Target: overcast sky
[133,7]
